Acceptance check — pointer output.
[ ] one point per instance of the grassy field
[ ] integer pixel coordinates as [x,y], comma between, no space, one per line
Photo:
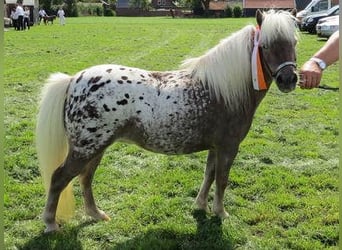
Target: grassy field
[283,190]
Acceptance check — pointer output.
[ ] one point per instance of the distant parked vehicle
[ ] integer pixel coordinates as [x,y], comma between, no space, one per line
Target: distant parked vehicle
[315,7]
[309,22]
[327,26]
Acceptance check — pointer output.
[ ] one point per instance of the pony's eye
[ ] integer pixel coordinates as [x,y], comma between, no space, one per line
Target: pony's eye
[264,46]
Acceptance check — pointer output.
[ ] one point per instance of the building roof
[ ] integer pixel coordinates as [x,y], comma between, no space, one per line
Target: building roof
[218,5]
[25,2]
[262,4]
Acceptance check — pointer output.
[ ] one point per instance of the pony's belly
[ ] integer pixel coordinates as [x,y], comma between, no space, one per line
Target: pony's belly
[178,138]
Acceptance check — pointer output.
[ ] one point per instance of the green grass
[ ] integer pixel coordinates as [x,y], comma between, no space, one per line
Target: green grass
[283,191]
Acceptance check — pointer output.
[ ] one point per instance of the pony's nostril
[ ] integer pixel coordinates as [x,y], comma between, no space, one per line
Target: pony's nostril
[279,79]
[294,78]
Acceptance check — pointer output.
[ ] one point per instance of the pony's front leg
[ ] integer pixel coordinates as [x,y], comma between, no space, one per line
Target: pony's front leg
[224,162]
[209,176]
[86,178]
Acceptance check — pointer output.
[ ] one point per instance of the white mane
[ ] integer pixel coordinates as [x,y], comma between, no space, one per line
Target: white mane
[226,68]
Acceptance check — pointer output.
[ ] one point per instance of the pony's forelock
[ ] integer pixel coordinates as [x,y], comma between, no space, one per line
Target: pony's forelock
[278,23]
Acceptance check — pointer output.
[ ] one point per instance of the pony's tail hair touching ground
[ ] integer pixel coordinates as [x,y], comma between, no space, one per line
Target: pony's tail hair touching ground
[51,141]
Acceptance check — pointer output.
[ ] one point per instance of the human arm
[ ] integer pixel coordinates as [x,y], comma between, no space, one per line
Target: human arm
[310,73]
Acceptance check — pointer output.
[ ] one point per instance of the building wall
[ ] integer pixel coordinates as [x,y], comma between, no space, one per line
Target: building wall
[250,6]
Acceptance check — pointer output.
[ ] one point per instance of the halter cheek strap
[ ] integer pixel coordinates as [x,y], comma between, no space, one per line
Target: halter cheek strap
[259,82]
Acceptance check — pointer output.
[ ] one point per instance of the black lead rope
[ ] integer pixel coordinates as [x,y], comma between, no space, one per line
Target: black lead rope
[326,87]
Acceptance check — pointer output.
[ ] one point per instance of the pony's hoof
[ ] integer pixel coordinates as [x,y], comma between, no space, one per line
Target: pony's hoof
[105,217]
[51,228]
[98,215]
[223,214]
[202,206]
[102,216]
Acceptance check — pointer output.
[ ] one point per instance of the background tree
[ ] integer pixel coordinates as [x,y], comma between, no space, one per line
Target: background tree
[197,8]
[143,4]
[71,8]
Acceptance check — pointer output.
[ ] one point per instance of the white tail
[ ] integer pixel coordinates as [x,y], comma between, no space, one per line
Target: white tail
[51,141]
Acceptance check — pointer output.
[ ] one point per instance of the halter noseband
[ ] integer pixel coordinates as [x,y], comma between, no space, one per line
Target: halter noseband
[283,65]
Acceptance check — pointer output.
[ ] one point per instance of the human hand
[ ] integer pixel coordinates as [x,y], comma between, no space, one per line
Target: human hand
[310,75]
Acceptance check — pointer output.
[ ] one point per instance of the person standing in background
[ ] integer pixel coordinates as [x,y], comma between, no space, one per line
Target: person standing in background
[14,18]
[41,14]
[19,11]
[27,18]
[61,15]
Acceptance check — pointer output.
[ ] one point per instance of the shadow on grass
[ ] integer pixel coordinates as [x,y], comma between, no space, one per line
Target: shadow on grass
[209,235]
[66,239]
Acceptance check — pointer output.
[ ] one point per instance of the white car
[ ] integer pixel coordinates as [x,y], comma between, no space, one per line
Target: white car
[327,26]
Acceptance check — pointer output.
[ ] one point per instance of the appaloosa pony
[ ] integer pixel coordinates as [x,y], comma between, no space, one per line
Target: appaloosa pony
[208,104]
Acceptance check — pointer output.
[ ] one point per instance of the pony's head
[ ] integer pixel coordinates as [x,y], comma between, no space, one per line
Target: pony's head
[278,47]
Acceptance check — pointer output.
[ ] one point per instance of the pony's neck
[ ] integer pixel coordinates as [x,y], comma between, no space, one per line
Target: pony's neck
[226,68]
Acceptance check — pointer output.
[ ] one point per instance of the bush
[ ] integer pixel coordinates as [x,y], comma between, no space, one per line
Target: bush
[228,11]
[237,11]
[99,11]
[108,12]
[90,9]
[71,8]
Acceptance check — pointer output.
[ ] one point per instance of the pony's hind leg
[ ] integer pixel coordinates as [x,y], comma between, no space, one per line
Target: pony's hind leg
[209,176]
[59,180]
[86,178]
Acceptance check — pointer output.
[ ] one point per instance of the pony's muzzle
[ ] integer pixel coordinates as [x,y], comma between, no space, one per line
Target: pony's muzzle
[286,78]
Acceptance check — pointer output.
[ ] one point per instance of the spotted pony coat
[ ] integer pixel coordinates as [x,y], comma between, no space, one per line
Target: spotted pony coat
[163,112]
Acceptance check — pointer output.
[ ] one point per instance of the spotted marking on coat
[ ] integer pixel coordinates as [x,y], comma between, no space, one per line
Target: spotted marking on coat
[109,70]
[80,77]
[106,108]
[94,79]
[91,111]
[122,102]
[92,130]
[96,87]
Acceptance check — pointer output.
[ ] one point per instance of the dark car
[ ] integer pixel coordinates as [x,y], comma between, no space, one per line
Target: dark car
[309,22]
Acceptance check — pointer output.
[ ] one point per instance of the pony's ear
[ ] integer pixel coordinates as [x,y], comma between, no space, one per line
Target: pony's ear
[259,17]
[294,12]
